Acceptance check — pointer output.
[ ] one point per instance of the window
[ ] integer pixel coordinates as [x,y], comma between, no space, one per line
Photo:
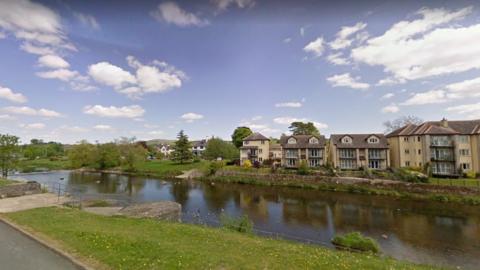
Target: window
[348,164]
[463,139]
[442,154]
[407,151]
[464,152]
[245,142]
[465,166]
[420,164]
[262,142]
[260,159]
[419,151]
[374,164]
[407,163]
[292,141]
[260,151]
[291,162]
[374,154]
[314,153]
[346,139]
[373,139]
[441,141]
[347,153]
[291,153]
[313,140]
[314,162]
[405,139]
[418,138]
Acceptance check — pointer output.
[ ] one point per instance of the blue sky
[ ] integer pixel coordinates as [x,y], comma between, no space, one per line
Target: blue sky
[72,70]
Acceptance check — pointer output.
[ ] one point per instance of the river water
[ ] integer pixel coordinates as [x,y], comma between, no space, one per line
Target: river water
[422,232]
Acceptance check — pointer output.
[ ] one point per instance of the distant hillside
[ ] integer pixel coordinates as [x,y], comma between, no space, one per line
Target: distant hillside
[160,141]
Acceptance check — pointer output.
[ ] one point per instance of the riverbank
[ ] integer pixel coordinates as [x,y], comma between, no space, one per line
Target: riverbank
[125,243]
[396,189]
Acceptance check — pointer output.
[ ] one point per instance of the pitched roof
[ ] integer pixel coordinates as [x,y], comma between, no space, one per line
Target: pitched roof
[303,141]
[466,127]
[256,137]
[275,146]
[199,143]
[359,141]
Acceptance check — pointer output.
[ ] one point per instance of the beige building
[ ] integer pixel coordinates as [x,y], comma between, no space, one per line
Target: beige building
[256,147]
[355,151]
[449,147]
[303,147]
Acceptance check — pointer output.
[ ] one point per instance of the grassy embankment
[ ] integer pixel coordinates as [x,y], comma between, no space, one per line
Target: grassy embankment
[6,182]
[125,243]
[36,165]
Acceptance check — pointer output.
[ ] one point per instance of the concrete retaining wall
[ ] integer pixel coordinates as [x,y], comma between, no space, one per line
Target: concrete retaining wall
[20,189]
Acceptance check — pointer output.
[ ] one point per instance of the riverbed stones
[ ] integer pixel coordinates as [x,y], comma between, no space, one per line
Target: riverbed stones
[164,210]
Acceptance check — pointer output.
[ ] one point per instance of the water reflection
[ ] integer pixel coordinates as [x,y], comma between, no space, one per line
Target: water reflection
[425,232]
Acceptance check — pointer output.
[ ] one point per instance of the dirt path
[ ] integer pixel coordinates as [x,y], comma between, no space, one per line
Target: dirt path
[30,202]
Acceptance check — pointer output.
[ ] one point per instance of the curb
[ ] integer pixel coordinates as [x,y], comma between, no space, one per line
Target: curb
[44,243]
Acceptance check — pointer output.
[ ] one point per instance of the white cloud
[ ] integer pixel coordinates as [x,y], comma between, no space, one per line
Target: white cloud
[429,97]
[289,105]
[191,117]
[421,49]
[287,120]
[8,94]
[390,81]
[52,61]
[111,75]
[387,96]
[6,117]
[346,80]
[59,74]
[287,40]
[133,111]
[464,89]
[170,12]
[257,118]
[342,37]
[471,111]
[30,111]
[315,47]
[302,31]
[337,59]
[33,126]
[392,108]
[87,20]
[103,127]
[223,5]
[33,49]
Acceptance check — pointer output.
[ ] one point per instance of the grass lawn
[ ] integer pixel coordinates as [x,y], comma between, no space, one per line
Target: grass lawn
[5,182]
[167,168]
[455,182]
[125,243]
[42,164]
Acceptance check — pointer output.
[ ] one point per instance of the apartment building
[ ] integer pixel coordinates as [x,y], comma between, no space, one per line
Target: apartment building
[355,151]
[449,147]
[256,147]
[303,147]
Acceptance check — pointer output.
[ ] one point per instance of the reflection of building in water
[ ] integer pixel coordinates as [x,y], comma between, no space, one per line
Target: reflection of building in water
[255,205]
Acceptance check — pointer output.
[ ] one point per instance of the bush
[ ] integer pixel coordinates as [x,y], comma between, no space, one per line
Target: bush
[214,167]
[471,175]
[247,164]
[303,168]
[238,224]
[256,164]
[405,174]
[356,241]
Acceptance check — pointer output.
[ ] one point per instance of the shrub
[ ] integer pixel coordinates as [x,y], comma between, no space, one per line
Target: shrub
[238,224]
[214,167]
[256,164]
[356,241]
[471,175]
[303,168]
[405,174]
[247,164]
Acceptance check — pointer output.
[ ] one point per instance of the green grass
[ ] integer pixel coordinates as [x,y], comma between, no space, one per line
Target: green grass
[6,182]
[167,168]
[356,241]
[125,243]
[462,182]
[27,166]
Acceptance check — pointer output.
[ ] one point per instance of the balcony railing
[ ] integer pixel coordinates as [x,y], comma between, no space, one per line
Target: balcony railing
[441,143]
[443,158]
[348,156]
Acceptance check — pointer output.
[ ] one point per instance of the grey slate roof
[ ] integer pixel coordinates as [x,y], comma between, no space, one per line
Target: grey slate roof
[359,141]
[302,142]
[256,137]
[467,127]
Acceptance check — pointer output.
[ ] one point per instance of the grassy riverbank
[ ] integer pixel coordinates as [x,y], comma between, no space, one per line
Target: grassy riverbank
[6,182]
[352,188]
[124,243]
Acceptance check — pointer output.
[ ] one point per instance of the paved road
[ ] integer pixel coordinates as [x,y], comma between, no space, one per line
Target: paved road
[22,253]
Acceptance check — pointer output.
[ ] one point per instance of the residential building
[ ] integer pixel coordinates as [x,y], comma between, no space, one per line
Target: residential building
[198,147]
[296,148]
[449,147]
[356,151]
[256,147]
[275,152]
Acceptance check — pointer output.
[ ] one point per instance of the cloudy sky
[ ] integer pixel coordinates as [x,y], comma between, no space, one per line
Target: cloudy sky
[72,70]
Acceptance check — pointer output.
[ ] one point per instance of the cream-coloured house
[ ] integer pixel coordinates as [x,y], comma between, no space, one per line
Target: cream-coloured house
[355,151]
[449,147]
[256,147]
[296,148]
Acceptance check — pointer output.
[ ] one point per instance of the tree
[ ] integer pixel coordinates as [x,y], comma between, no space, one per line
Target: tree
[132,154]
[182,150]
[219,148]
[400,122]
[239,134]
[107,156]
[300,128]
[82,154]
[9,153]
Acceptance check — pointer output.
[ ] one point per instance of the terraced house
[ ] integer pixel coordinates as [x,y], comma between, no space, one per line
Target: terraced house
[355,151]
[256,147]
[303,147]
[450,148]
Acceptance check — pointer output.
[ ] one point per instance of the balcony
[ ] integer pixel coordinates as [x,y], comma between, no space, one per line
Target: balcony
[443,158]
[347,157]
[441,142]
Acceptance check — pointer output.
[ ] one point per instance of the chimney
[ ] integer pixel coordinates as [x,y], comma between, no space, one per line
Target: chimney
[444,123]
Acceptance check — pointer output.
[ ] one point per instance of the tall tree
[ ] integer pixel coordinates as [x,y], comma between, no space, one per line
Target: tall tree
[218,148]
[82,155]
[239,134]
[301,128]
[9,153]
[107,156]
[182,150]
[400,122]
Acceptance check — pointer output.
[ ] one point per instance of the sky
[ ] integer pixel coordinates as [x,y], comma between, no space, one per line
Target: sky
[100,70]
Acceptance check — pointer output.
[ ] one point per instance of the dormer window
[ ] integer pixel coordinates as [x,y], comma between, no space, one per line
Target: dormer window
[373,139]
[313,140]
[347,139]
[292,141]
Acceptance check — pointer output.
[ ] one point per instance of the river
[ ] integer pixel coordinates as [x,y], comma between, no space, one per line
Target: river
[423,232]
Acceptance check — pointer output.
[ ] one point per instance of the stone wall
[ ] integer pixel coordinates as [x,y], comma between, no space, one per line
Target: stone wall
[20,189]
[373,183]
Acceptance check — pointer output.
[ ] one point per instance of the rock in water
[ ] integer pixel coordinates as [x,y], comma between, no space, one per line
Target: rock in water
[164,210]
